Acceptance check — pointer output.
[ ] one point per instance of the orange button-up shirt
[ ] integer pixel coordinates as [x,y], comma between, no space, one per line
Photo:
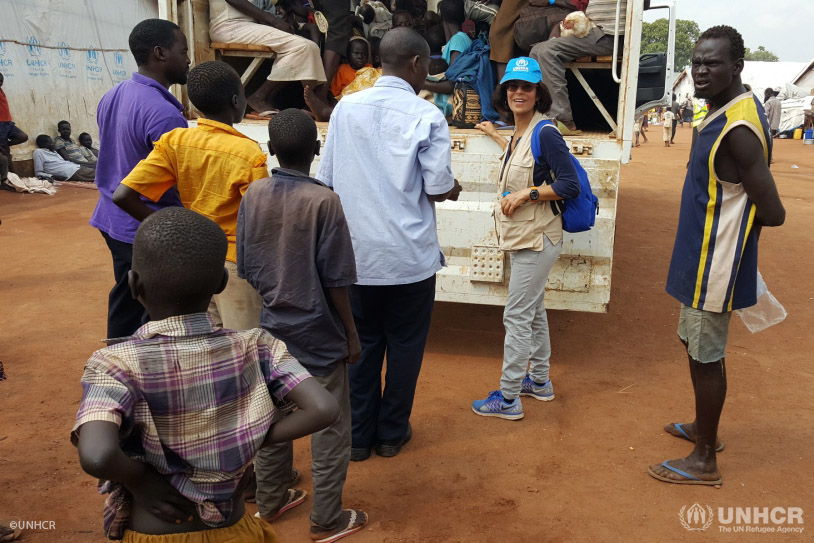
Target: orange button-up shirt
[211,165]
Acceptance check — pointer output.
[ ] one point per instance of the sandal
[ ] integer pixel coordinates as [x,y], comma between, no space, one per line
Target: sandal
[262,116]
[351,521]
[296,496]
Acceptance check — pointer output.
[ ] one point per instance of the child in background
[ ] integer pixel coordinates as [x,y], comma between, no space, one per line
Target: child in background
[211,165]
[358,57]
[667,130]
[171,417]
[294,247]
[90,152]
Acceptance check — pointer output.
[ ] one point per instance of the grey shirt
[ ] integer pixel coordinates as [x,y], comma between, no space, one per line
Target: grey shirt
[603,14]
[773,107]
[293,244]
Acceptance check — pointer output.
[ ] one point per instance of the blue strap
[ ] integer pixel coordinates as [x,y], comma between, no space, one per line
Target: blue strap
[536,150]
[683,433]
[682,473]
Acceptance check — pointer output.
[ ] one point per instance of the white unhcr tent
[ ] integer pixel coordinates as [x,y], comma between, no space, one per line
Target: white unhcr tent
[59,59]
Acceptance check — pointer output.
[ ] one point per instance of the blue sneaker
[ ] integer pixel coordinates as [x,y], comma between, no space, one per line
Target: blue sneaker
[543,392]
[495,406]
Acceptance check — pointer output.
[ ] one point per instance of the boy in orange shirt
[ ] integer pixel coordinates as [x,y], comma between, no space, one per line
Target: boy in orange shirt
[211,165]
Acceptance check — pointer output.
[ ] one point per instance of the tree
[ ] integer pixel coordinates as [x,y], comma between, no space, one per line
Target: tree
[654,39]
[761,54]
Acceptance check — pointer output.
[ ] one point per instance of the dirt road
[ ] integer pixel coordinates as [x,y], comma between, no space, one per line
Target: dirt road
[573,470]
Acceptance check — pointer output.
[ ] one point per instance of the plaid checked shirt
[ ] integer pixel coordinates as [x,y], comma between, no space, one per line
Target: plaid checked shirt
[201,393]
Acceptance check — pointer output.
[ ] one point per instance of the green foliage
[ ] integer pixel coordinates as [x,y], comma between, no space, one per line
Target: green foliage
[761,54]
[654,39]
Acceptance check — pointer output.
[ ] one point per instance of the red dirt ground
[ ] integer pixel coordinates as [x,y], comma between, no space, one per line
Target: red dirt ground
[572,470]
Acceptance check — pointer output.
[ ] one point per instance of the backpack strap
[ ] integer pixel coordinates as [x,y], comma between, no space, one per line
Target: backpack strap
[558,206]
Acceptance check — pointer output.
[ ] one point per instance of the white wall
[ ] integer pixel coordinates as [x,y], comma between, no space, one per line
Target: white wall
[59,57]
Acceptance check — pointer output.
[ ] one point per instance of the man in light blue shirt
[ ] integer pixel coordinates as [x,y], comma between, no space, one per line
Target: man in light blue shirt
[387,156]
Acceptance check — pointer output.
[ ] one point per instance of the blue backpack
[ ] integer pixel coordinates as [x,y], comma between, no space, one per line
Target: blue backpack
[578,214]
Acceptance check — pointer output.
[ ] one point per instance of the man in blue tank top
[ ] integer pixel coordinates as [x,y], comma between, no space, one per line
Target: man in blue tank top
[729,194]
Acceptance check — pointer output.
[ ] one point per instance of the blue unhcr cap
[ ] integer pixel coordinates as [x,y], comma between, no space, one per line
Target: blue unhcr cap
[523,69]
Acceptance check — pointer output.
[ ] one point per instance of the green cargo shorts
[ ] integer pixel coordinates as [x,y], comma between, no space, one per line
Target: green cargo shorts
[704,333]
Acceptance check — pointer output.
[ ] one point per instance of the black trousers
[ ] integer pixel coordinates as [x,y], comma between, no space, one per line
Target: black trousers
[124,314]
[675,125]
[395,320]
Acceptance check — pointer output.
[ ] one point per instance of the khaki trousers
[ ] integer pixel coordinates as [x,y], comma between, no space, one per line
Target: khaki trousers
[238,307]
[297,59]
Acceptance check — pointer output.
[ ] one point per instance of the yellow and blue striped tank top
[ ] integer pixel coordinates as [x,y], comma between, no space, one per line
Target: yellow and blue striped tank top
[714,264]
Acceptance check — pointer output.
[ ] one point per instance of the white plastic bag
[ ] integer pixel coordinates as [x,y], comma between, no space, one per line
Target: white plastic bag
[765,313]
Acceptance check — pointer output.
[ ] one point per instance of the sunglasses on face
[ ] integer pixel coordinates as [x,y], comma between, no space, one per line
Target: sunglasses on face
[525,87]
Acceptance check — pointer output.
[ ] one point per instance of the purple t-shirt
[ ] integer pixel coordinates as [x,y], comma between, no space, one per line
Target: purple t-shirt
[131,116]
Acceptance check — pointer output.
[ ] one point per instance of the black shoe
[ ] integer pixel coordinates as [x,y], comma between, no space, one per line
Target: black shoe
[358,454]
[390,449]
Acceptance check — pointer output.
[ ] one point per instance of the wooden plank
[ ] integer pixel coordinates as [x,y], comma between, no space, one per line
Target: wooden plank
[241,47]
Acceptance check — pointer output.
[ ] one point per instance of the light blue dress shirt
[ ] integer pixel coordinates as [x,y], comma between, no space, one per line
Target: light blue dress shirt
[386,150]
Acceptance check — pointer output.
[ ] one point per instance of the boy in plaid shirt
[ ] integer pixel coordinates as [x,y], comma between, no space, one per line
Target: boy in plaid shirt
[171,417]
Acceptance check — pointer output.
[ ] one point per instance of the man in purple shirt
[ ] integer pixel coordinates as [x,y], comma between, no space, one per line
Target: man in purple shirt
[131,116]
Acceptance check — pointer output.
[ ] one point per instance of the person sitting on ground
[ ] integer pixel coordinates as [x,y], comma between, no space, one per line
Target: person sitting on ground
[9,135]
[68,148]
[50,165]
[297,58]
[552,55]
[402,18]
[358,56]
[306,305]
[90,152]
[211,166]
[148,400]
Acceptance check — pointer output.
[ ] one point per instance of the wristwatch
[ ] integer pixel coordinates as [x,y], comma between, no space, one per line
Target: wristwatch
[534,195]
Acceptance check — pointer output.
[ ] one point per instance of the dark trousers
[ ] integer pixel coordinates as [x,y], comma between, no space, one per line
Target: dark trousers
[392,319]
[124,314]
[675,125]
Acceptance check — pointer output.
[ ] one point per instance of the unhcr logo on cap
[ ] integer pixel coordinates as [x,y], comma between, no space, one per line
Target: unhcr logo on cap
[522,65]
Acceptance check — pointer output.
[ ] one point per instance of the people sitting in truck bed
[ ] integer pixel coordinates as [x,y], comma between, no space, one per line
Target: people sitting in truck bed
[358,57]
[377,18]
[554,53]
[297,58]
[49,164]
[452,17]
[68,149]
[350,78]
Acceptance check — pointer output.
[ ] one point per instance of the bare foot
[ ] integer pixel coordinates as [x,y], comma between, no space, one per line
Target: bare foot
[321,110]
[686,471]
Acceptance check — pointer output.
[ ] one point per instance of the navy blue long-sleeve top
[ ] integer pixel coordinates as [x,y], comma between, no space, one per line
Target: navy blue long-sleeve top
[554,156]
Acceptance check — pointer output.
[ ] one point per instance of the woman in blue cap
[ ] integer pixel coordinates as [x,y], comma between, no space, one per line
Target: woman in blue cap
[529,227]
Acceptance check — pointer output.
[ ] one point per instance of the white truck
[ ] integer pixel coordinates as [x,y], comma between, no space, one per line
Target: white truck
[477,271]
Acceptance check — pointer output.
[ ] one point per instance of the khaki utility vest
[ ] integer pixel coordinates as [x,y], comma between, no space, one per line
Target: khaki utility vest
[529,222]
